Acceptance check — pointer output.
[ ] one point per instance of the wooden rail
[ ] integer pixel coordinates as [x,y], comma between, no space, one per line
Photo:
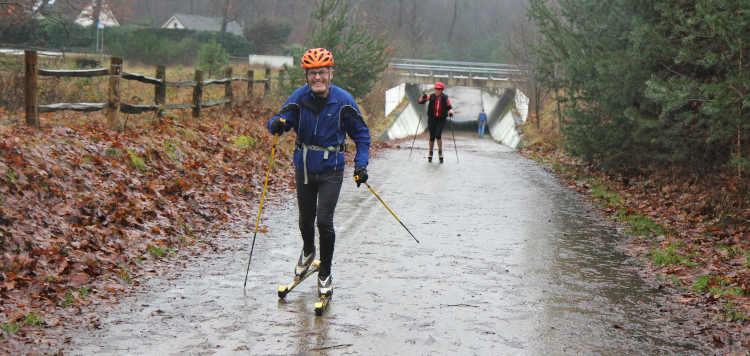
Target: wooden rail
[114,106]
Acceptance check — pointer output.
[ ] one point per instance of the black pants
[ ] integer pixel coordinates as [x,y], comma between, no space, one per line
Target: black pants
[435,125]
[317,199]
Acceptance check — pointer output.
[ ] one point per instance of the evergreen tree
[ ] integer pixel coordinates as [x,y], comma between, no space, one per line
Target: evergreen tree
[649,83]
[212,57]
[358,56]
[588,53]
[703,88]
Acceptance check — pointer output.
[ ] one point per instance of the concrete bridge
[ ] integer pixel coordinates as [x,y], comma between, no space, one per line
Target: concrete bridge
[503,119]
[471,74]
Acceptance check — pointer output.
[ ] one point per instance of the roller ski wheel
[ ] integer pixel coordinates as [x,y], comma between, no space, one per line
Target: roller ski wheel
[285,289]
[321,305]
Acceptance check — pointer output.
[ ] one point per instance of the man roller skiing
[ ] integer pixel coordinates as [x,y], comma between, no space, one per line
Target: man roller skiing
[322,115]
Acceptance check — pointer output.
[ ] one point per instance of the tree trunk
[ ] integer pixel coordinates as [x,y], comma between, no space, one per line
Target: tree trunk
[453,23]
[400,11]
[225,16]
[96,12]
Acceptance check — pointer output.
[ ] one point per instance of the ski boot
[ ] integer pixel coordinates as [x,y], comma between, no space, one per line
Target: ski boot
[429,157]
[325,291]
[303,264]
[325,286]
[440,155]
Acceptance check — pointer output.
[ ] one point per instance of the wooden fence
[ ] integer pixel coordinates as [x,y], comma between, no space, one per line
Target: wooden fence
[114,106]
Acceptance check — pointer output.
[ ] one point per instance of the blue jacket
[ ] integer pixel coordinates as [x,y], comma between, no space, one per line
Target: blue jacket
[338,117]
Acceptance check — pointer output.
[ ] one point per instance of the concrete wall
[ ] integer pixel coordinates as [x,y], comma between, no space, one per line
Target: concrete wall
[501,123]
[408,122]
[393,97]
[270,61]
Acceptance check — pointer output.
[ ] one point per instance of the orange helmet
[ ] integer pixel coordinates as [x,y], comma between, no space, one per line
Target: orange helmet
[439,85]
[317,57]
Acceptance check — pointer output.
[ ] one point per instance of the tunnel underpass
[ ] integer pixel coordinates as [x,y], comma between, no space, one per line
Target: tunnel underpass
[502,118]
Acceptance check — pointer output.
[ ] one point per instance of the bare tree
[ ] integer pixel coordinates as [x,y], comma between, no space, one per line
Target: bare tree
[453,23]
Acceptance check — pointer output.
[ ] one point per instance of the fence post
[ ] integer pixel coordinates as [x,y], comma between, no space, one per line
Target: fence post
[281,78]
[160,91]
[31,88]
[250,82]
[228,93]
[267,87]
[197,94]
[113,108]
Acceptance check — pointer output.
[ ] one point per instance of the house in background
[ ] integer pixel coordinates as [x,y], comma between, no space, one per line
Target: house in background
[80,12]
[202,23]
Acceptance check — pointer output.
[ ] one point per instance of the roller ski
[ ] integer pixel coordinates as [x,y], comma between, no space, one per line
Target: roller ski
[325,291]
[305,268]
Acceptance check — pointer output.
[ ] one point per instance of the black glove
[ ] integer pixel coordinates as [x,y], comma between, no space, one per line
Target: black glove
[450,114]
[424,97]
[360,175]
[277,126]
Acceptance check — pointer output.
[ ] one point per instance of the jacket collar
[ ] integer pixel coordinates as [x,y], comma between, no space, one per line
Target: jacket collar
[333,93]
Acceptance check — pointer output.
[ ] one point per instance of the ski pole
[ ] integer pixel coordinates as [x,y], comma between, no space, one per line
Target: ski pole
[356,178]
[454,138]
[260,209]
[415,131]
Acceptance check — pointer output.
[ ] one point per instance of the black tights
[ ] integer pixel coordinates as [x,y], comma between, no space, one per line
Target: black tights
[436,125]
[317,199]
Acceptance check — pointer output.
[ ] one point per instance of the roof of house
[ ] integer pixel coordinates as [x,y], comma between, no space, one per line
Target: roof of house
[78,11]
[60,10]
[205,23]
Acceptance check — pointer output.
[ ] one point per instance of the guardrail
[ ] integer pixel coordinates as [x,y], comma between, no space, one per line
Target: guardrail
[114,106]
[425,67]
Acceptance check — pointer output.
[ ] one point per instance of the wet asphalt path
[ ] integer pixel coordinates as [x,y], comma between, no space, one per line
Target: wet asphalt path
[510,263]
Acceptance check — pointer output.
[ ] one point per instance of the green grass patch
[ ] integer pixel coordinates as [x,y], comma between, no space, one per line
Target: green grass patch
[171,149]
[33,319]
[731,250]
[84,291]
[11,327]
[125,274]
[606,197]
[700,285]
[136,162]
[244,142]
[747,259]
[113,152]
[559,167]
[641,225]
[69,300]
[732,312]
[717,285]
[156,251]
[670,256]
[675,281]
[11,175]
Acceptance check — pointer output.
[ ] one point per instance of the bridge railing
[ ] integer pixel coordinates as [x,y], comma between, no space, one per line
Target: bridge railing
[453,63]
[418,67]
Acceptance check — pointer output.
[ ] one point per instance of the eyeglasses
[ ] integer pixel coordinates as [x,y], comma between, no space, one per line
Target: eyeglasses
[322,73]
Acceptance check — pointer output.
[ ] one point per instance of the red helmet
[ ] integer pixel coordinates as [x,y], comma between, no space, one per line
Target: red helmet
[439,85]
[317,57]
